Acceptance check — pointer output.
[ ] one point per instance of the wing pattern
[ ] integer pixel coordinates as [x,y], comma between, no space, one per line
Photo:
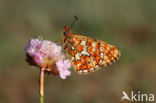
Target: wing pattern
[88,55]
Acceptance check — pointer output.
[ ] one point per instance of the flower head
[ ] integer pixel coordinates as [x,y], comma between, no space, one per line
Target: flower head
[48,55]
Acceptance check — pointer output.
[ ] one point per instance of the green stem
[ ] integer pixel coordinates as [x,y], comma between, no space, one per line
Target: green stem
[41,99]
[41,82]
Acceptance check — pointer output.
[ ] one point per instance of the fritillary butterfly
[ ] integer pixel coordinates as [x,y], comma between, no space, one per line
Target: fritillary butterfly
[87,54]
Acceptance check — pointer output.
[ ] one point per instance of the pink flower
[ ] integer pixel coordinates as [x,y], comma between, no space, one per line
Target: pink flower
[63,66]
[48,55]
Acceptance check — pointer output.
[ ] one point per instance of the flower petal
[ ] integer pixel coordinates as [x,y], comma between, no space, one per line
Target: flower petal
[63,68]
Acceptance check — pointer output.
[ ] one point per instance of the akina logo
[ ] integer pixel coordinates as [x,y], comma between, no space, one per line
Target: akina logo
[137,97]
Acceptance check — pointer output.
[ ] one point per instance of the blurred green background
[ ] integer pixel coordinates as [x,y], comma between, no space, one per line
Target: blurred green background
[130,25]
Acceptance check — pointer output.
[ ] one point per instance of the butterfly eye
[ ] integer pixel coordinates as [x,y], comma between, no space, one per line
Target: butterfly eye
[65,33]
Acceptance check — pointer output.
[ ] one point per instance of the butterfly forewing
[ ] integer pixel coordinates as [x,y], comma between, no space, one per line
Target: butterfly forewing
[87,54]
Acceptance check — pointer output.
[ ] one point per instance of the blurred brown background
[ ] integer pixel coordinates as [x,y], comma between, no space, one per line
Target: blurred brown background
[128,24]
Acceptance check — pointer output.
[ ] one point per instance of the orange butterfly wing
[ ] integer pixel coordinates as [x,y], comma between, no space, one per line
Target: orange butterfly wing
[87,54]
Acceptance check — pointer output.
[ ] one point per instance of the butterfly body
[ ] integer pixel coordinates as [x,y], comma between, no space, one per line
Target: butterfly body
[87,54]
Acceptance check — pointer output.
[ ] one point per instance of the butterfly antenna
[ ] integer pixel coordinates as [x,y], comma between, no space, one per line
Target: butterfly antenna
[75,19]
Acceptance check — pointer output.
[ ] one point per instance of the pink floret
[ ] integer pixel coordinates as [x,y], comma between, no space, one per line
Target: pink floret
[63,66]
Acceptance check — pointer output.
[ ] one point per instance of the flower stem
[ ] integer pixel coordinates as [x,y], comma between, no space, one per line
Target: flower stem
[41,82]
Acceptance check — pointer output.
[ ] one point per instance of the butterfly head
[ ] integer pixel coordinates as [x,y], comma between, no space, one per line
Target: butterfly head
[66,31]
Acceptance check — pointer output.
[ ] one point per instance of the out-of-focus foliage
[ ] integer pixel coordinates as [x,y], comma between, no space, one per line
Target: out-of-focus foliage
[127,24]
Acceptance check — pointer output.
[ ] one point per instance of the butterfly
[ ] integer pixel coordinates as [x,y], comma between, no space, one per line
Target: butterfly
[87,54]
